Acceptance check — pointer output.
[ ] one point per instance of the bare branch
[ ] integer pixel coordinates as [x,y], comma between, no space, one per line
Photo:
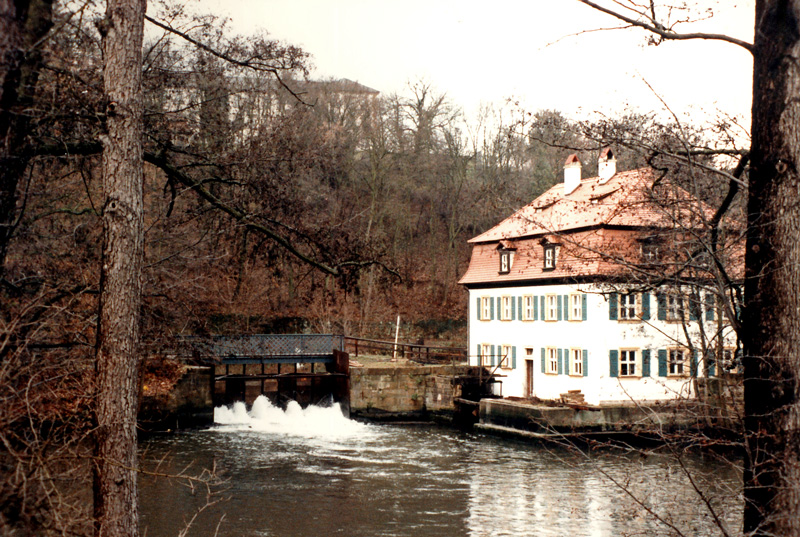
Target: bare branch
[667,33]
[248,64]
[237,214]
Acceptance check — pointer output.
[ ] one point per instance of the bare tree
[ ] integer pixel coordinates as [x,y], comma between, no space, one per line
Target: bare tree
[771,334]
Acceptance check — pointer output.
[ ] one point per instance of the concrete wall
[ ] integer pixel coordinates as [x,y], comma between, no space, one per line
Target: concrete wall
[627,418]
[405,389]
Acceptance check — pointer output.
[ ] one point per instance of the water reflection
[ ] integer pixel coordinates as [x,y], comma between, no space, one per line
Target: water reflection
[310,473]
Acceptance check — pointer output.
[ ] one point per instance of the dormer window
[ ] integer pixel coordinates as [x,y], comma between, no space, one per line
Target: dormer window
[506,250]
[649,252]
[505,261]
[549,257]
[649,249]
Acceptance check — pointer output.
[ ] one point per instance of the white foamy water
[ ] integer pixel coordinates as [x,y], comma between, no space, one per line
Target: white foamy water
[312,421]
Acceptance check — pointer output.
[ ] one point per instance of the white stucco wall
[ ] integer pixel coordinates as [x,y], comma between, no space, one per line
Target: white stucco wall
[597,335]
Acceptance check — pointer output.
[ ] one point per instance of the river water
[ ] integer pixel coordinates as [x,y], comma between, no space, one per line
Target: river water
[313,473]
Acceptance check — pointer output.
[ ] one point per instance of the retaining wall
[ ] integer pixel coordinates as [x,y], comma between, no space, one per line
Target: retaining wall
[188,404]
[405,391]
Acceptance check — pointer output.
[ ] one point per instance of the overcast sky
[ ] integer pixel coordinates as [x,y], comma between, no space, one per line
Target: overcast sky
[540,52]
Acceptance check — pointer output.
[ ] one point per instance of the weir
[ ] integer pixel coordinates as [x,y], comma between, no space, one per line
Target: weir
[307,368]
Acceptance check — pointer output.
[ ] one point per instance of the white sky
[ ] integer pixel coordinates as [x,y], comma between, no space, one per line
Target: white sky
[485,52]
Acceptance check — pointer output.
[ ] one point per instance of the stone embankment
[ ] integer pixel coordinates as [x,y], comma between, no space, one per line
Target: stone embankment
[381,389]
[186,402]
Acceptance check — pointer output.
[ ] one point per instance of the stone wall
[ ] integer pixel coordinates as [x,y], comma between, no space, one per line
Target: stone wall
[188,404]
[406,389]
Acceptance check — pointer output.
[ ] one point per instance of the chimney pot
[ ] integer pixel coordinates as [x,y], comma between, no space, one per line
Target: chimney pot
[572,174]
[606,165]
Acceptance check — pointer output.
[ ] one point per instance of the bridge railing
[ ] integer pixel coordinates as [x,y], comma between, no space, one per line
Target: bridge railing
[263,347]
[295,348]
[424,354]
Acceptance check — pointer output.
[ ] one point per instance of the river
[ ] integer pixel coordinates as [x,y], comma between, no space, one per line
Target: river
[313,473]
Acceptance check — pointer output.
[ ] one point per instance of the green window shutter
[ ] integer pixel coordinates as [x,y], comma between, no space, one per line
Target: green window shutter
[566,307]
[584,300]
[646,362]
[541,307]
[535,308]
[662,306]
[519,308]
[491,309]
[737,307]
[662,362]
[693,364]
[560,361]
[479,308]
[513,309]
[646,306]
[479,355]
[544,359]
[499,308]
[585,363]
[513,357]
[613,363]
[710,306]
[492,362]
[694,309]
[612,306]
[558,307]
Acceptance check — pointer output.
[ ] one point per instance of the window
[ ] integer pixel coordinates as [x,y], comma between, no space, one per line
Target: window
[551,308]
[576,362]
[627,363]
[486,354]
[552,361]
[505,357]
[508,305]
[676,362]
[649,252]
[628,307]
[674,304]
[704,260]
[549,257]
[710,305]
[486,308]
[505,261]
[575,307]
[527,312]
[731,360]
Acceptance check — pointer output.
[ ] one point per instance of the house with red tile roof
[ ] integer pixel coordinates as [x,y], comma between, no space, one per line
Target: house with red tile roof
[600,288]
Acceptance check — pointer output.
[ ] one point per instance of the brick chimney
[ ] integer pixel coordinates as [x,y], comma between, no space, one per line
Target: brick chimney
[606,165]
[572,174]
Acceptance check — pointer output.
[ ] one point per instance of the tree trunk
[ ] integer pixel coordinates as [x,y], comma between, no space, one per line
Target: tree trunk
[115,487]
[771,331]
